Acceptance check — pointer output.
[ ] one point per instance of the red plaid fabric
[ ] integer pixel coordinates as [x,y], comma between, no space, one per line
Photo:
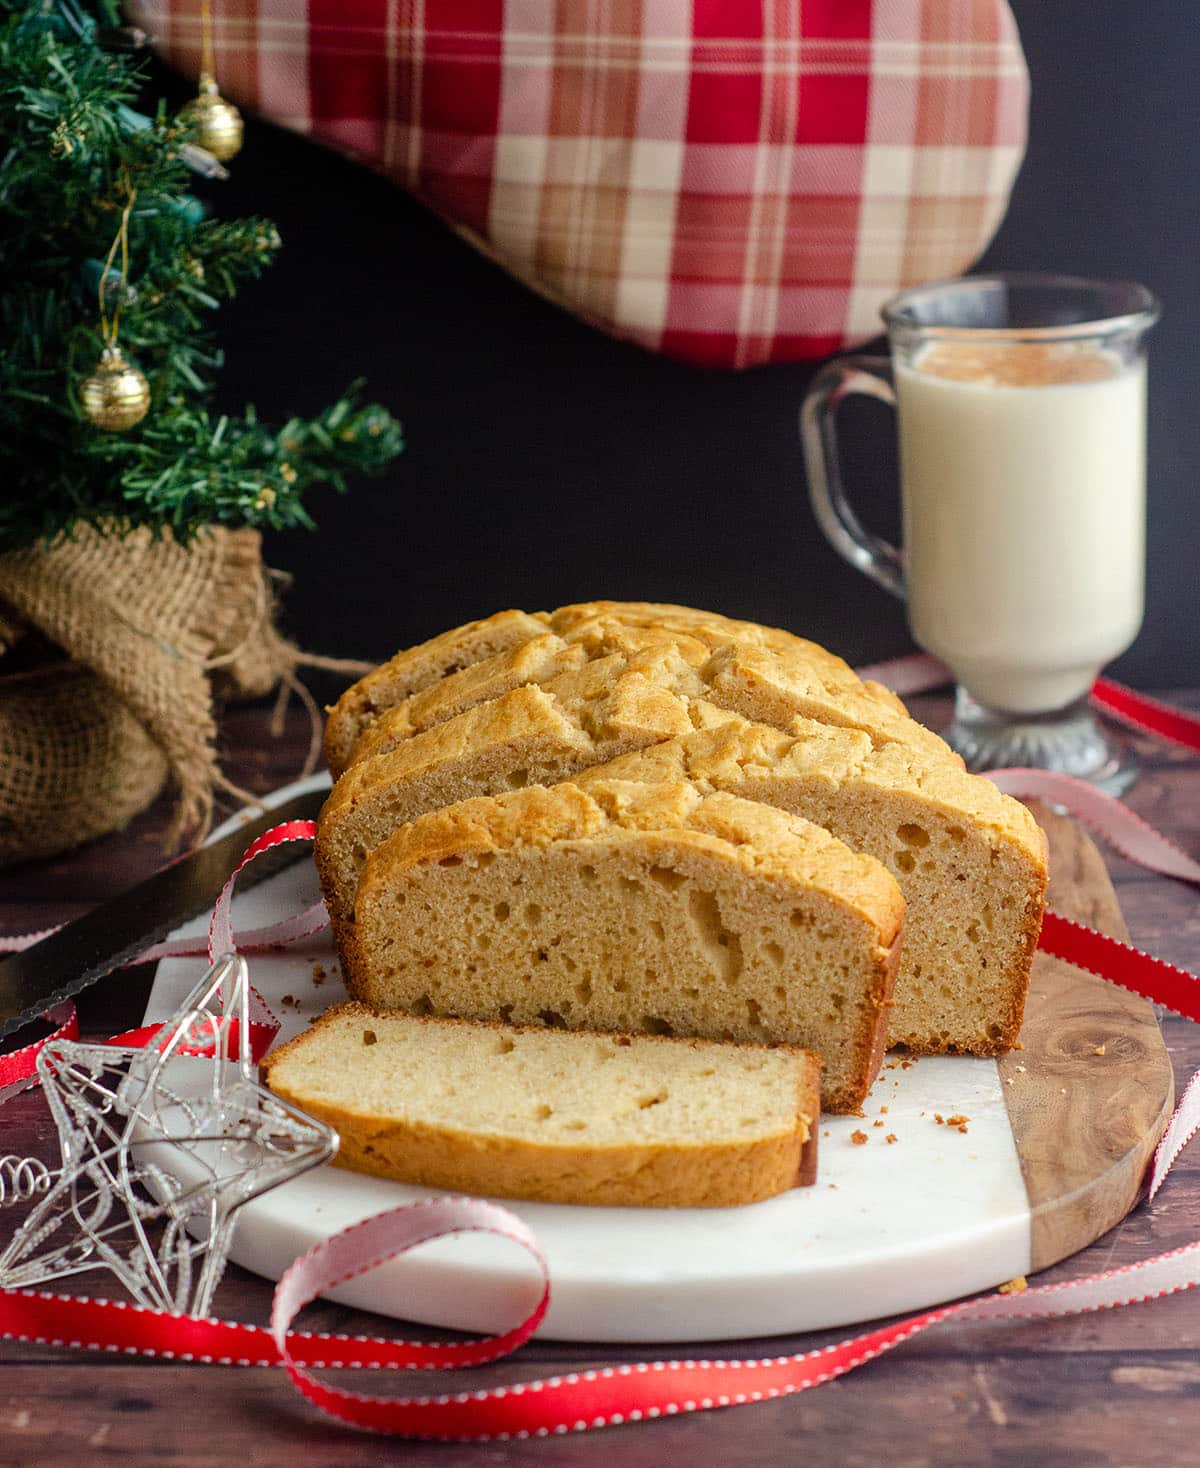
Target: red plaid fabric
[728,181]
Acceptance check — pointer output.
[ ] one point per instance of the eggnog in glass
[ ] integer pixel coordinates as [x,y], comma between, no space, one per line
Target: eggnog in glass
[1022,422]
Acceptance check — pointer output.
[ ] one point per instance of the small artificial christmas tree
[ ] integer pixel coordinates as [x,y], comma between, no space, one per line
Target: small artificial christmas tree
[75,157]
[131,587]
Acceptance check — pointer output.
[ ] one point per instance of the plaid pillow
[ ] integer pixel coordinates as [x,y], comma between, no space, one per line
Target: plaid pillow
[726,181]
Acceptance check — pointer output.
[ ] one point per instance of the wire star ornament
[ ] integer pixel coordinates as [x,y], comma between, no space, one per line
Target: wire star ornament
[161,1145]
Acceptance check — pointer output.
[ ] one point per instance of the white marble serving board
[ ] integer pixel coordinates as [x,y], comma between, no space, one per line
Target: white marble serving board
[886,1228]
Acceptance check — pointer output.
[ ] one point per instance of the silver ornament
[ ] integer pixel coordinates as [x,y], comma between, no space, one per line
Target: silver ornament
[161,1145]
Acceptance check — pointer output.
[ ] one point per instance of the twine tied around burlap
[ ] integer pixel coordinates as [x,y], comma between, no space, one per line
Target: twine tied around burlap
[146,634]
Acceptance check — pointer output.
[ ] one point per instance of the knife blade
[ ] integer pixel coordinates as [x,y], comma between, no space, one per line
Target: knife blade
[86,950]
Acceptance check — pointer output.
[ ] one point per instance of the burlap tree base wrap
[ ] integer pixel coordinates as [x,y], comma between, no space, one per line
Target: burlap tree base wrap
[148,632]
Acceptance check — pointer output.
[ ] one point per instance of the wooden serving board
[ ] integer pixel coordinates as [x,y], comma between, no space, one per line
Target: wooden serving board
[1085,1124]
[1053,1155]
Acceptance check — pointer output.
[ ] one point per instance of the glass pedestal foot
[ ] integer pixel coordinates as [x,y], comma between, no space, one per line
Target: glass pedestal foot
[1068,741]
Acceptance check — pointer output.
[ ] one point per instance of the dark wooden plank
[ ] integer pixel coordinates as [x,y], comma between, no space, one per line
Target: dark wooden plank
[994,1403]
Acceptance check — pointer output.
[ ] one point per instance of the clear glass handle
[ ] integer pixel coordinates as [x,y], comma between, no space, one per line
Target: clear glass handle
[873,556]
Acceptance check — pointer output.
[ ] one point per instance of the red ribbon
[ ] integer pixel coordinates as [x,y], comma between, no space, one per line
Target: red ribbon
[1149,715]
[920,672]
[610,1396]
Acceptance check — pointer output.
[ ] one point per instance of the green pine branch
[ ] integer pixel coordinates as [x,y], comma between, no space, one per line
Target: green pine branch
[72,143]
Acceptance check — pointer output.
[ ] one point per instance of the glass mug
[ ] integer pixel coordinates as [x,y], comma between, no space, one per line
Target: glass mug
[1021,402]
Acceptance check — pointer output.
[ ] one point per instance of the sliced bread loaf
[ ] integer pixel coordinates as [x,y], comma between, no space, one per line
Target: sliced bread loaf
[553,1115]
[810,680]
[970,861]
[636,908]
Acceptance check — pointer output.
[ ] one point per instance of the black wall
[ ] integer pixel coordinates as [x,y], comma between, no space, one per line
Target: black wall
[547,463]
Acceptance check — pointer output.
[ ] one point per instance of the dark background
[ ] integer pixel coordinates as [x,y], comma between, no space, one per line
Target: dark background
[548,463]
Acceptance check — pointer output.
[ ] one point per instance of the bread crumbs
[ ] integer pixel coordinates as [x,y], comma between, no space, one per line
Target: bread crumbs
[859,1138]
[319,975]
[1099,1050]
[883,1111]
[890,1138]
[877,1123]
[1016,1286]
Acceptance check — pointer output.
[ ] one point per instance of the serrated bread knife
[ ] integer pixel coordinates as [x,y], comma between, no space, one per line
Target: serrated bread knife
[84,951]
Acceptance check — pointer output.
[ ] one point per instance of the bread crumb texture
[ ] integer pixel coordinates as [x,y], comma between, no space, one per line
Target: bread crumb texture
[643,908]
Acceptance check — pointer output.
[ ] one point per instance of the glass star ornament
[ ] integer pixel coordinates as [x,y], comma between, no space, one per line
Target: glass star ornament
[161,1145]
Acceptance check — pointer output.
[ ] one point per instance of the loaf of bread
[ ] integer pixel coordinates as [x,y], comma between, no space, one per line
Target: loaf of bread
[516,1112]
[969,860]
[635,908]
[762,673]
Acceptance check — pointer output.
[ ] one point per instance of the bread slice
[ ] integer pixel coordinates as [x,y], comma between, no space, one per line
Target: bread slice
[636,908]
[415,668]
[759,682]
[604,685]
[563,1117]
[771,665]
[970,861]
[529,736]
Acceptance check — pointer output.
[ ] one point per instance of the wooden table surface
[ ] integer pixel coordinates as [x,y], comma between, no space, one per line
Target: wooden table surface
[1117,1387]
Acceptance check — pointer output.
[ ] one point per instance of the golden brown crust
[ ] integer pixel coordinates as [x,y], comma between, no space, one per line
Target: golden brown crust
[539,660]
[716,1176]
[415,668]
[636,1173]
[601,628]
[711,628]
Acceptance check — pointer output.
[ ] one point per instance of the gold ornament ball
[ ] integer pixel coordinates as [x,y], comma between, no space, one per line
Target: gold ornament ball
[116,395]
[218,123]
